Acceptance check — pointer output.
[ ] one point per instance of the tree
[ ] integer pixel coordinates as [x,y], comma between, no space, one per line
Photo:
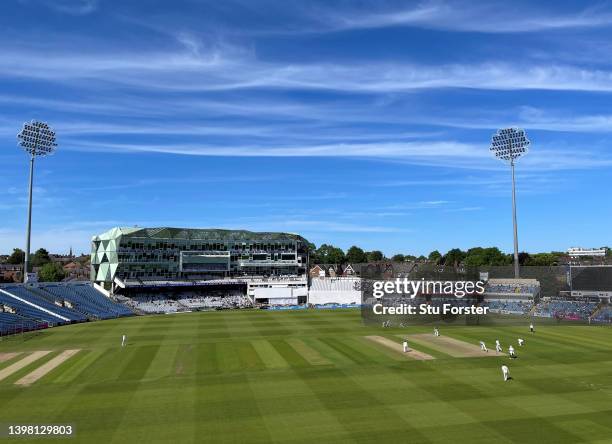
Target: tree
[398,258]
[17,257]
[356,255]
[435,256]
[51,272]
[328,254]
[453,257]
[374,256]
[524,258]
[543,259]
[40,258]
[478,256]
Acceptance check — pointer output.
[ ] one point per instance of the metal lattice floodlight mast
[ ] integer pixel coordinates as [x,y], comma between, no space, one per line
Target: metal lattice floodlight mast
[508,144]
[37,139]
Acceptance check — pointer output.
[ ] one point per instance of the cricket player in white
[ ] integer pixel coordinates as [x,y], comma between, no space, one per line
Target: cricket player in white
[436,331]
[505,372]
[511,352]
[123,338]
[520,342]
[483,347]
[405,345]
[498,347]
[531,329]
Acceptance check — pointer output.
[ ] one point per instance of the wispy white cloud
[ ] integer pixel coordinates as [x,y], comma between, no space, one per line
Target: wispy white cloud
[529,117]
[72,7]
[485,17]
[217,70]
[425,149]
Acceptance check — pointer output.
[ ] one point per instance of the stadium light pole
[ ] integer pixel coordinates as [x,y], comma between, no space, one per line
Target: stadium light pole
[508,145]
[37,139]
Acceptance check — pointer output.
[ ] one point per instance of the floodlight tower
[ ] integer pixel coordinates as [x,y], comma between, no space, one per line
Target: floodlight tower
[509,144]
[37,139]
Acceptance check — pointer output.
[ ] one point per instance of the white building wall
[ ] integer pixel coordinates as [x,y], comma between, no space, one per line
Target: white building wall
[277,291]
[341,290]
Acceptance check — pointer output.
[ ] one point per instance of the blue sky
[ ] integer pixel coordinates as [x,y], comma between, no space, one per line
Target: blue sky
[347,122]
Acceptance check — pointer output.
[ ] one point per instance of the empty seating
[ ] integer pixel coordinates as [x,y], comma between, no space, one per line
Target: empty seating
[30,307]
[88,300]
[41,299]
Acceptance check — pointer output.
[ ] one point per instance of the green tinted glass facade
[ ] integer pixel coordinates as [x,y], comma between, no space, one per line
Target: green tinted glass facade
[175,253]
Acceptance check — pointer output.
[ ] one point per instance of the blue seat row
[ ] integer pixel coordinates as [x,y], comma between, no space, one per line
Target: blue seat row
[27,311]
[13,323]
[30,307]
[30,294]
[88,300]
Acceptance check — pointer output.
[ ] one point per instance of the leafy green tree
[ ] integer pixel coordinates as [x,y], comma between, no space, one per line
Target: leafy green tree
[398,258]
[313,256]
[454,257]
[376,255]
[40,258]
[524,258]
[51,272]
[435,256]
[328,254]
[356,255]
[479,256]
[17,256]
[543,259]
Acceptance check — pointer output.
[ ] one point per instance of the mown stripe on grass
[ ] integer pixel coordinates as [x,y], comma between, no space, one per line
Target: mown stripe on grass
[268,354]
[291,410]
[354,355]
[139,363]
[227,411]
[22,363]
[47,367]
[328,352]
[185,360]
[289,354]
[163,362]
[207,359]
[361,414]
[76,366]
[228,357]
[473,395]
[248,356]
[309,354]
[580,341]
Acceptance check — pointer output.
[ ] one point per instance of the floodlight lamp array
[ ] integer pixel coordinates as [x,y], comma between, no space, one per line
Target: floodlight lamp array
[509,144]
[37,138]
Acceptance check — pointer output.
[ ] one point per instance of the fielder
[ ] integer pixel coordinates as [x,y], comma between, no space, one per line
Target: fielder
[531,328]
[405,345]
[123,338]
[483,347]
[505,372]
[436,332]
[511,352]
[521,341]
[498,347]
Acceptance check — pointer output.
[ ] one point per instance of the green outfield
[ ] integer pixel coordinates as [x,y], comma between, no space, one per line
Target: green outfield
[306,376]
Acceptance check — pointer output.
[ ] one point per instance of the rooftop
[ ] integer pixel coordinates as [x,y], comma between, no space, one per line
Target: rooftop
[208,234]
